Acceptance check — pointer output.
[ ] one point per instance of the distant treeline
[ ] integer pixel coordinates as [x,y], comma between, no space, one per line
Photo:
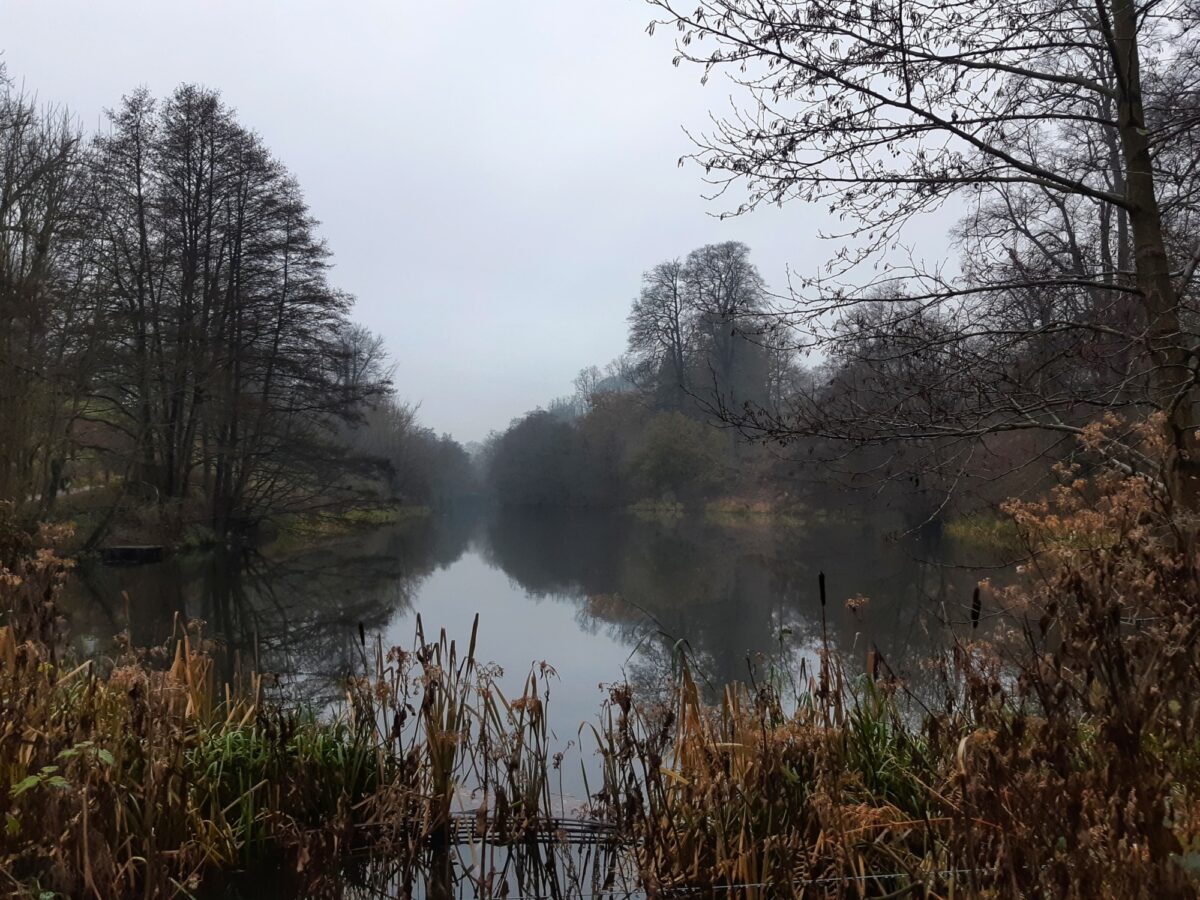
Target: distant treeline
[169,332]
[689,414]
[701,342]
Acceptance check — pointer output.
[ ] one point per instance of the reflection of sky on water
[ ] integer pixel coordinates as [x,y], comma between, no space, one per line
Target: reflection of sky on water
[517,632]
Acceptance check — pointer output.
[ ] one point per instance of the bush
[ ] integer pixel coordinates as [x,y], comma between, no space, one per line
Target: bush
[677,457]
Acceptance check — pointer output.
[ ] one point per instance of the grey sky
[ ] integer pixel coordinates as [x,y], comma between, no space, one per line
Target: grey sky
[493,177]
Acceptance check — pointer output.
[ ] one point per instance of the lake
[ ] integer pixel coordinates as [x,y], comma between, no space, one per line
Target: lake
[601,597]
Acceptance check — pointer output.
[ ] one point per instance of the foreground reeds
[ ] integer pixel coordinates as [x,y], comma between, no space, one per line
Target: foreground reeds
[1063,759]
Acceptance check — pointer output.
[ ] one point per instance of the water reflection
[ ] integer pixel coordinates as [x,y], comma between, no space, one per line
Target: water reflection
[599,596]
[733,594]
[296,614]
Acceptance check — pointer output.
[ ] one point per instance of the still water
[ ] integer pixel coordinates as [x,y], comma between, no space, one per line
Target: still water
[600,597]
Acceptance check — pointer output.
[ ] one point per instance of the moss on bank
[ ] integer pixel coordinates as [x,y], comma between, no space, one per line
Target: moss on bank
[320,525]
[737,511]
[180,527]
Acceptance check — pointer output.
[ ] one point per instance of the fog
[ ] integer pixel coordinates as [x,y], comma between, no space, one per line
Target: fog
[492,178]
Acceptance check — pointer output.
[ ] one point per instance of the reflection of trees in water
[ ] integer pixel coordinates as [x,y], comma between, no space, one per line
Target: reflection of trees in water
[297,615]
[915,584]
[739,596]
[730,594]
[560,553]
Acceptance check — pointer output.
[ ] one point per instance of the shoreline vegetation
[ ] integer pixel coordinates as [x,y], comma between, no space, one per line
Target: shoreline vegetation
[292,531]
[297,531]
[1062,757]
[147,404]
[281,533]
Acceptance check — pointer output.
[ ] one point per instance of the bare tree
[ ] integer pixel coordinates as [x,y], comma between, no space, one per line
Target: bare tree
[661,327]
[1068,111]
[695,327]
[232,358]
[724,293]
[363,361]
[46,323]
[587,385]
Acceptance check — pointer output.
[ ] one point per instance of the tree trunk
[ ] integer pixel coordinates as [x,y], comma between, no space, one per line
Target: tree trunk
[1172,376]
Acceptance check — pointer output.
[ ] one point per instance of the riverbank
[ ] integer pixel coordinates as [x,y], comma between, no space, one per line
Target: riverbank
[731,511]
[987,531]
[176,527]
[293,532]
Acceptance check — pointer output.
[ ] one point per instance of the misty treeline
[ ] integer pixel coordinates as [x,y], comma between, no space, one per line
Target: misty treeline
[700,340]
[168,327]
[1063,136]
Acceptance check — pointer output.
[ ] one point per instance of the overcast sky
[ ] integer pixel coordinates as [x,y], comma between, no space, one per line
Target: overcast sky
[492,177]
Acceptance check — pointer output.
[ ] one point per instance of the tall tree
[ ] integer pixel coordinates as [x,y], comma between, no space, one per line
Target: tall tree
[661,328]
[725,292]
[696,327]
[232,356]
